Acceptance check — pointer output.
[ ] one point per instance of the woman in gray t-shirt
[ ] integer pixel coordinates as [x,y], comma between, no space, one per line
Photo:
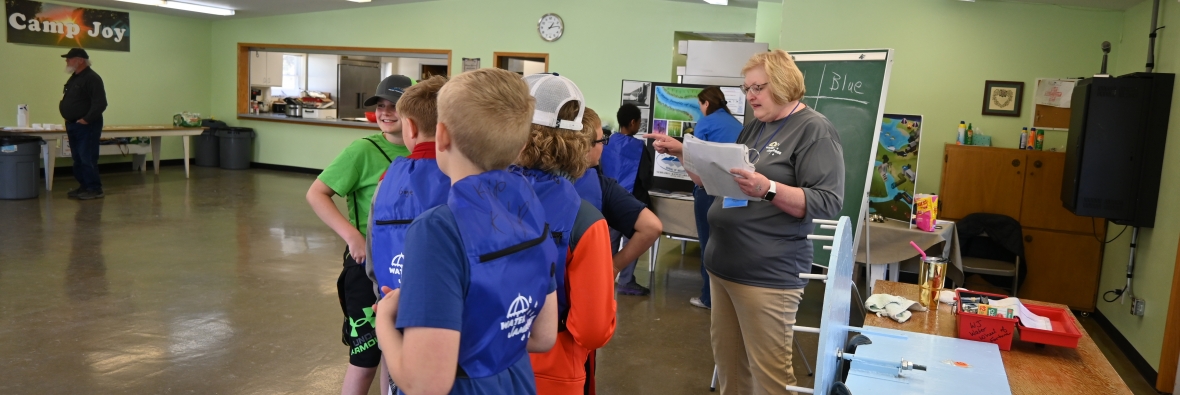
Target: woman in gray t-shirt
[756,249]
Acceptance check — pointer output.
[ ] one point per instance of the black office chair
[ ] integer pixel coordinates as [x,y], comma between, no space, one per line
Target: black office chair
[992,245]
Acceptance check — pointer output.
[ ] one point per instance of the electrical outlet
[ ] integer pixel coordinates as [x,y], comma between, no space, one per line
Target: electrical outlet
[1138,306]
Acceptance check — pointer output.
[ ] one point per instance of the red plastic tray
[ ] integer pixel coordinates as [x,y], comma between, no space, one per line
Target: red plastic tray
[1064,333]
[984,328]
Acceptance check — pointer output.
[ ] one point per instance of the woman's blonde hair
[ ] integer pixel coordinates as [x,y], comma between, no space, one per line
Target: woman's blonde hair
[786,81]
[558,150]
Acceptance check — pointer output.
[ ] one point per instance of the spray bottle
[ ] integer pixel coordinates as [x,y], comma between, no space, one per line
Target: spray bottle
[1032,140]
[1024,138]
[970,135]
[962,133]
[1041,140]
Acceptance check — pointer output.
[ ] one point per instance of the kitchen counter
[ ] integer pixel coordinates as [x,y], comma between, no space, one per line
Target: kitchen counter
[274,117]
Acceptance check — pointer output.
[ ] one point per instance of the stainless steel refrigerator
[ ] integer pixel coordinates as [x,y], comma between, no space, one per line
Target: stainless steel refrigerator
[358,81]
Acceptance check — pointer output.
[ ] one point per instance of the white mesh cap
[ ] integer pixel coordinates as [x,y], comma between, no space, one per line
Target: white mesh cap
[551,92]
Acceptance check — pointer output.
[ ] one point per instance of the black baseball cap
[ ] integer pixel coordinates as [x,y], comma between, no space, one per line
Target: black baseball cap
[76,53]
[391,88]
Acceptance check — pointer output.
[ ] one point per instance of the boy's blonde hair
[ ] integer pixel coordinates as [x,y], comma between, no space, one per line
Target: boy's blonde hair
[786,81]
[487,113]
[420,104]
[559,150]
[591,121]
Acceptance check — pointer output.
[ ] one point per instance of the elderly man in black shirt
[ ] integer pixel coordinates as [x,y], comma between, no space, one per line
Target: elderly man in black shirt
[82,103]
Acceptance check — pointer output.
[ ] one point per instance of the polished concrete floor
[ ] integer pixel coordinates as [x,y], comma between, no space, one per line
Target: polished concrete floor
[224,283]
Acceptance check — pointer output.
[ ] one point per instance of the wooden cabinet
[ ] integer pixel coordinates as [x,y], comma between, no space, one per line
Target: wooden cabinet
[1063,268]
[266,68]
[981,180]
[1041,205]
[1062,251]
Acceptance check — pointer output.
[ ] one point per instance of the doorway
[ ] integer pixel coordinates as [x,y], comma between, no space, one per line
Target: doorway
[521,62]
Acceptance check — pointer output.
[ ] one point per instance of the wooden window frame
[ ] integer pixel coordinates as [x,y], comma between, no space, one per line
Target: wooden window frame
[243,85]
[497,55]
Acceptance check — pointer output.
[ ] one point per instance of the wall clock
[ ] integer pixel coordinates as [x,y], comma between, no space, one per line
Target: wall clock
[550,27]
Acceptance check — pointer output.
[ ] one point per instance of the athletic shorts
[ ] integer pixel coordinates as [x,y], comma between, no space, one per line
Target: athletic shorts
[356,301]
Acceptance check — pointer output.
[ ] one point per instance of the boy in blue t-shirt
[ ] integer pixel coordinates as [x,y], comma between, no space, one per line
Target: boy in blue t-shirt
[477,278]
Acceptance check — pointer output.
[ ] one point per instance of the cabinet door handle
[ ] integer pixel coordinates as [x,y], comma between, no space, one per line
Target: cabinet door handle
[1016,163]
[1027,239]
[358,100]
[1037,164]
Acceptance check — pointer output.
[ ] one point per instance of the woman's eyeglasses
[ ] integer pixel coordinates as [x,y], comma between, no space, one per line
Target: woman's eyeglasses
[602,141]
[756,88]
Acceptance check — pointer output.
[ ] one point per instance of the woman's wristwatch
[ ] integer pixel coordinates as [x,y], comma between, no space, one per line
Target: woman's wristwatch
[770,192]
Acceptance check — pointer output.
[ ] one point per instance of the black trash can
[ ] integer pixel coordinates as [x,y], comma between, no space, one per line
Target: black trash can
[19,168]
[208,149]
[236,148]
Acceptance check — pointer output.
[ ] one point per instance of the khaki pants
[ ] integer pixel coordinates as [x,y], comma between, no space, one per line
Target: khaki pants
[751,339]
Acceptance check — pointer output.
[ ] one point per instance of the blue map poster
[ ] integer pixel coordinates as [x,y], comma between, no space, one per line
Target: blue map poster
[895,177]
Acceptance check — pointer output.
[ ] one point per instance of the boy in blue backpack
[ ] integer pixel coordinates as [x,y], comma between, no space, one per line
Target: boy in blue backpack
[411,185]
[477,288]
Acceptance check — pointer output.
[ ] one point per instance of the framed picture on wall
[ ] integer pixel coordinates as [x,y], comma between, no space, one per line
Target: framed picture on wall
[1003,98]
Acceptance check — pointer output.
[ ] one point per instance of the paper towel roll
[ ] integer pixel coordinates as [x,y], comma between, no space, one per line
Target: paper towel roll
[22,115]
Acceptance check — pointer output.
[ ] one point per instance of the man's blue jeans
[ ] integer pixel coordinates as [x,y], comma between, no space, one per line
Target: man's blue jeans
[84,151]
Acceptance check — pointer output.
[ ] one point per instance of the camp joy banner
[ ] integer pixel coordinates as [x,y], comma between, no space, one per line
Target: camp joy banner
[34,22]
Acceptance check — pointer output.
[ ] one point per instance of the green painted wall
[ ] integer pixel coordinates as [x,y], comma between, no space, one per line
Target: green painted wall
[166,72]
[945,50]
[770,20]
[1156,252]
[605,41]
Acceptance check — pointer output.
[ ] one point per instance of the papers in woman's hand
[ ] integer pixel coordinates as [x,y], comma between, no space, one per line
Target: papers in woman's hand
[711,163]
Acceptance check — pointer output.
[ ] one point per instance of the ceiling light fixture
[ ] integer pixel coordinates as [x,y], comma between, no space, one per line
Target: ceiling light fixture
[360,1]
[196,8]
[184,6]
[718,2]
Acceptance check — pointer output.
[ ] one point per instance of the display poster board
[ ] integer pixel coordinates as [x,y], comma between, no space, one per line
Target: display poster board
[37,23]
[849,87]
[894,183]
[673,109]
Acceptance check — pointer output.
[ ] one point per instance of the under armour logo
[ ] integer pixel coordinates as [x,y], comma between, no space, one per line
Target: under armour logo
[361,322]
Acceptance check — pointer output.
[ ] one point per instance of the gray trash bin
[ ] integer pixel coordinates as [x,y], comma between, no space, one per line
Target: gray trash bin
[236,148]
[208,149]
[19,168]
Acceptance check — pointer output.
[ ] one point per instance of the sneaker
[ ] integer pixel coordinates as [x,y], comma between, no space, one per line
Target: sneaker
[89,194]
[632,288]
[73,193]
[696,301]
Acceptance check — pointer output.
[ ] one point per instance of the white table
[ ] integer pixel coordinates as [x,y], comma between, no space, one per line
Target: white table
[887,245]
[156,133]
[677,213]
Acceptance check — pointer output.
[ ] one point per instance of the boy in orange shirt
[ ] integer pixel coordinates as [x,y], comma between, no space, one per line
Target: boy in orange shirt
[554,157]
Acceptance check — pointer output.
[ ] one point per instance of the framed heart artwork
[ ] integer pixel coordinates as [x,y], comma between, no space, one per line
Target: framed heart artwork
[1003,98]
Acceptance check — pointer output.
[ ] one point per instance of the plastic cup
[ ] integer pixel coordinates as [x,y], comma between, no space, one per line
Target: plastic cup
[931,276]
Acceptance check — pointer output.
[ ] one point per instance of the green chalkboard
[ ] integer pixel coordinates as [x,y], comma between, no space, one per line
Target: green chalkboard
[849,88]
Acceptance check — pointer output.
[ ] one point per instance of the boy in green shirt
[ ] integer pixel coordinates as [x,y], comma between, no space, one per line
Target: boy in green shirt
[355,174]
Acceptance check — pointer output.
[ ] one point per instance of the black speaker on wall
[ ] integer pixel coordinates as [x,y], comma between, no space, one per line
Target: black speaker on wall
[1115,152]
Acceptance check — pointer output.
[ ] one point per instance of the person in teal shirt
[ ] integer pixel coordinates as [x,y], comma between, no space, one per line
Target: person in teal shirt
[354,174]
[718,126]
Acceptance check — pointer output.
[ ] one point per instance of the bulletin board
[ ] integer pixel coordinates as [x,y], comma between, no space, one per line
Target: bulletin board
[1051,103]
